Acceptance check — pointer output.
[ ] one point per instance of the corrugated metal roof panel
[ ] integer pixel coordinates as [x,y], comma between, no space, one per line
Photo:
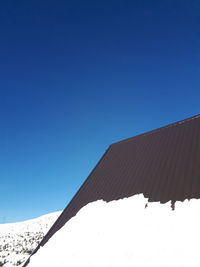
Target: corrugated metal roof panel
[163,164]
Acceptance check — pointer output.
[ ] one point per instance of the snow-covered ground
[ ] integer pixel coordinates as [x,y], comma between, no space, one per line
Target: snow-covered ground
[18,240]
[126,233]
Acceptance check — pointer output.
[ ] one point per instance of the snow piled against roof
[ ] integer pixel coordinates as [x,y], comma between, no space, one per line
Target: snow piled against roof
[125,233]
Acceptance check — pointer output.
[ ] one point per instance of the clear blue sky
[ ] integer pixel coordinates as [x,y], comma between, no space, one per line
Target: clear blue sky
[76,76]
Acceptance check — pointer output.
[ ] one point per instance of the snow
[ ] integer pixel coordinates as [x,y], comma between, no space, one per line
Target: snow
[18,240]
[125,233]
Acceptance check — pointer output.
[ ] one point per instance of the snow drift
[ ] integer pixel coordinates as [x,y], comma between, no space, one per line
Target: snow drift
[126,232]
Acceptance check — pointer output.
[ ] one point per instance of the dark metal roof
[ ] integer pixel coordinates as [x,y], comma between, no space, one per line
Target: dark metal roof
[163,164]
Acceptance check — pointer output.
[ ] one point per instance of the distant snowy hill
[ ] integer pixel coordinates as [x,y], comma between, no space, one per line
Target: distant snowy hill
[18,240]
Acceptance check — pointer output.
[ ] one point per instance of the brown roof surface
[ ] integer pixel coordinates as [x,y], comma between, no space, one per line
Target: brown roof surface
[163,164]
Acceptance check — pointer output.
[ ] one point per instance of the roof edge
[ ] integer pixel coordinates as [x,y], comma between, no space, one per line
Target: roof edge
[158,129]
[51,231]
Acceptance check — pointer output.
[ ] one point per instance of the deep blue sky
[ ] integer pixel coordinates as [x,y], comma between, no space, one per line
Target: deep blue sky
[76,76]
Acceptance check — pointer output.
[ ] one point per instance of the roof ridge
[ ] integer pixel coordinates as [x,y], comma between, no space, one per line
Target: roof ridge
[158,129]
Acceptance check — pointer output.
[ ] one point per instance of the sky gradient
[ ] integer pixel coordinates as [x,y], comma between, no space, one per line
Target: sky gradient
[76,76]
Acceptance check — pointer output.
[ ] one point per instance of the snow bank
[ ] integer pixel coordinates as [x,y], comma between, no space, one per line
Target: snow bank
[125,233]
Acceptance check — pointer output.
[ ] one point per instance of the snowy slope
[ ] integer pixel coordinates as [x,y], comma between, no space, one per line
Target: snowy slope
[126,233]
[18,240]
